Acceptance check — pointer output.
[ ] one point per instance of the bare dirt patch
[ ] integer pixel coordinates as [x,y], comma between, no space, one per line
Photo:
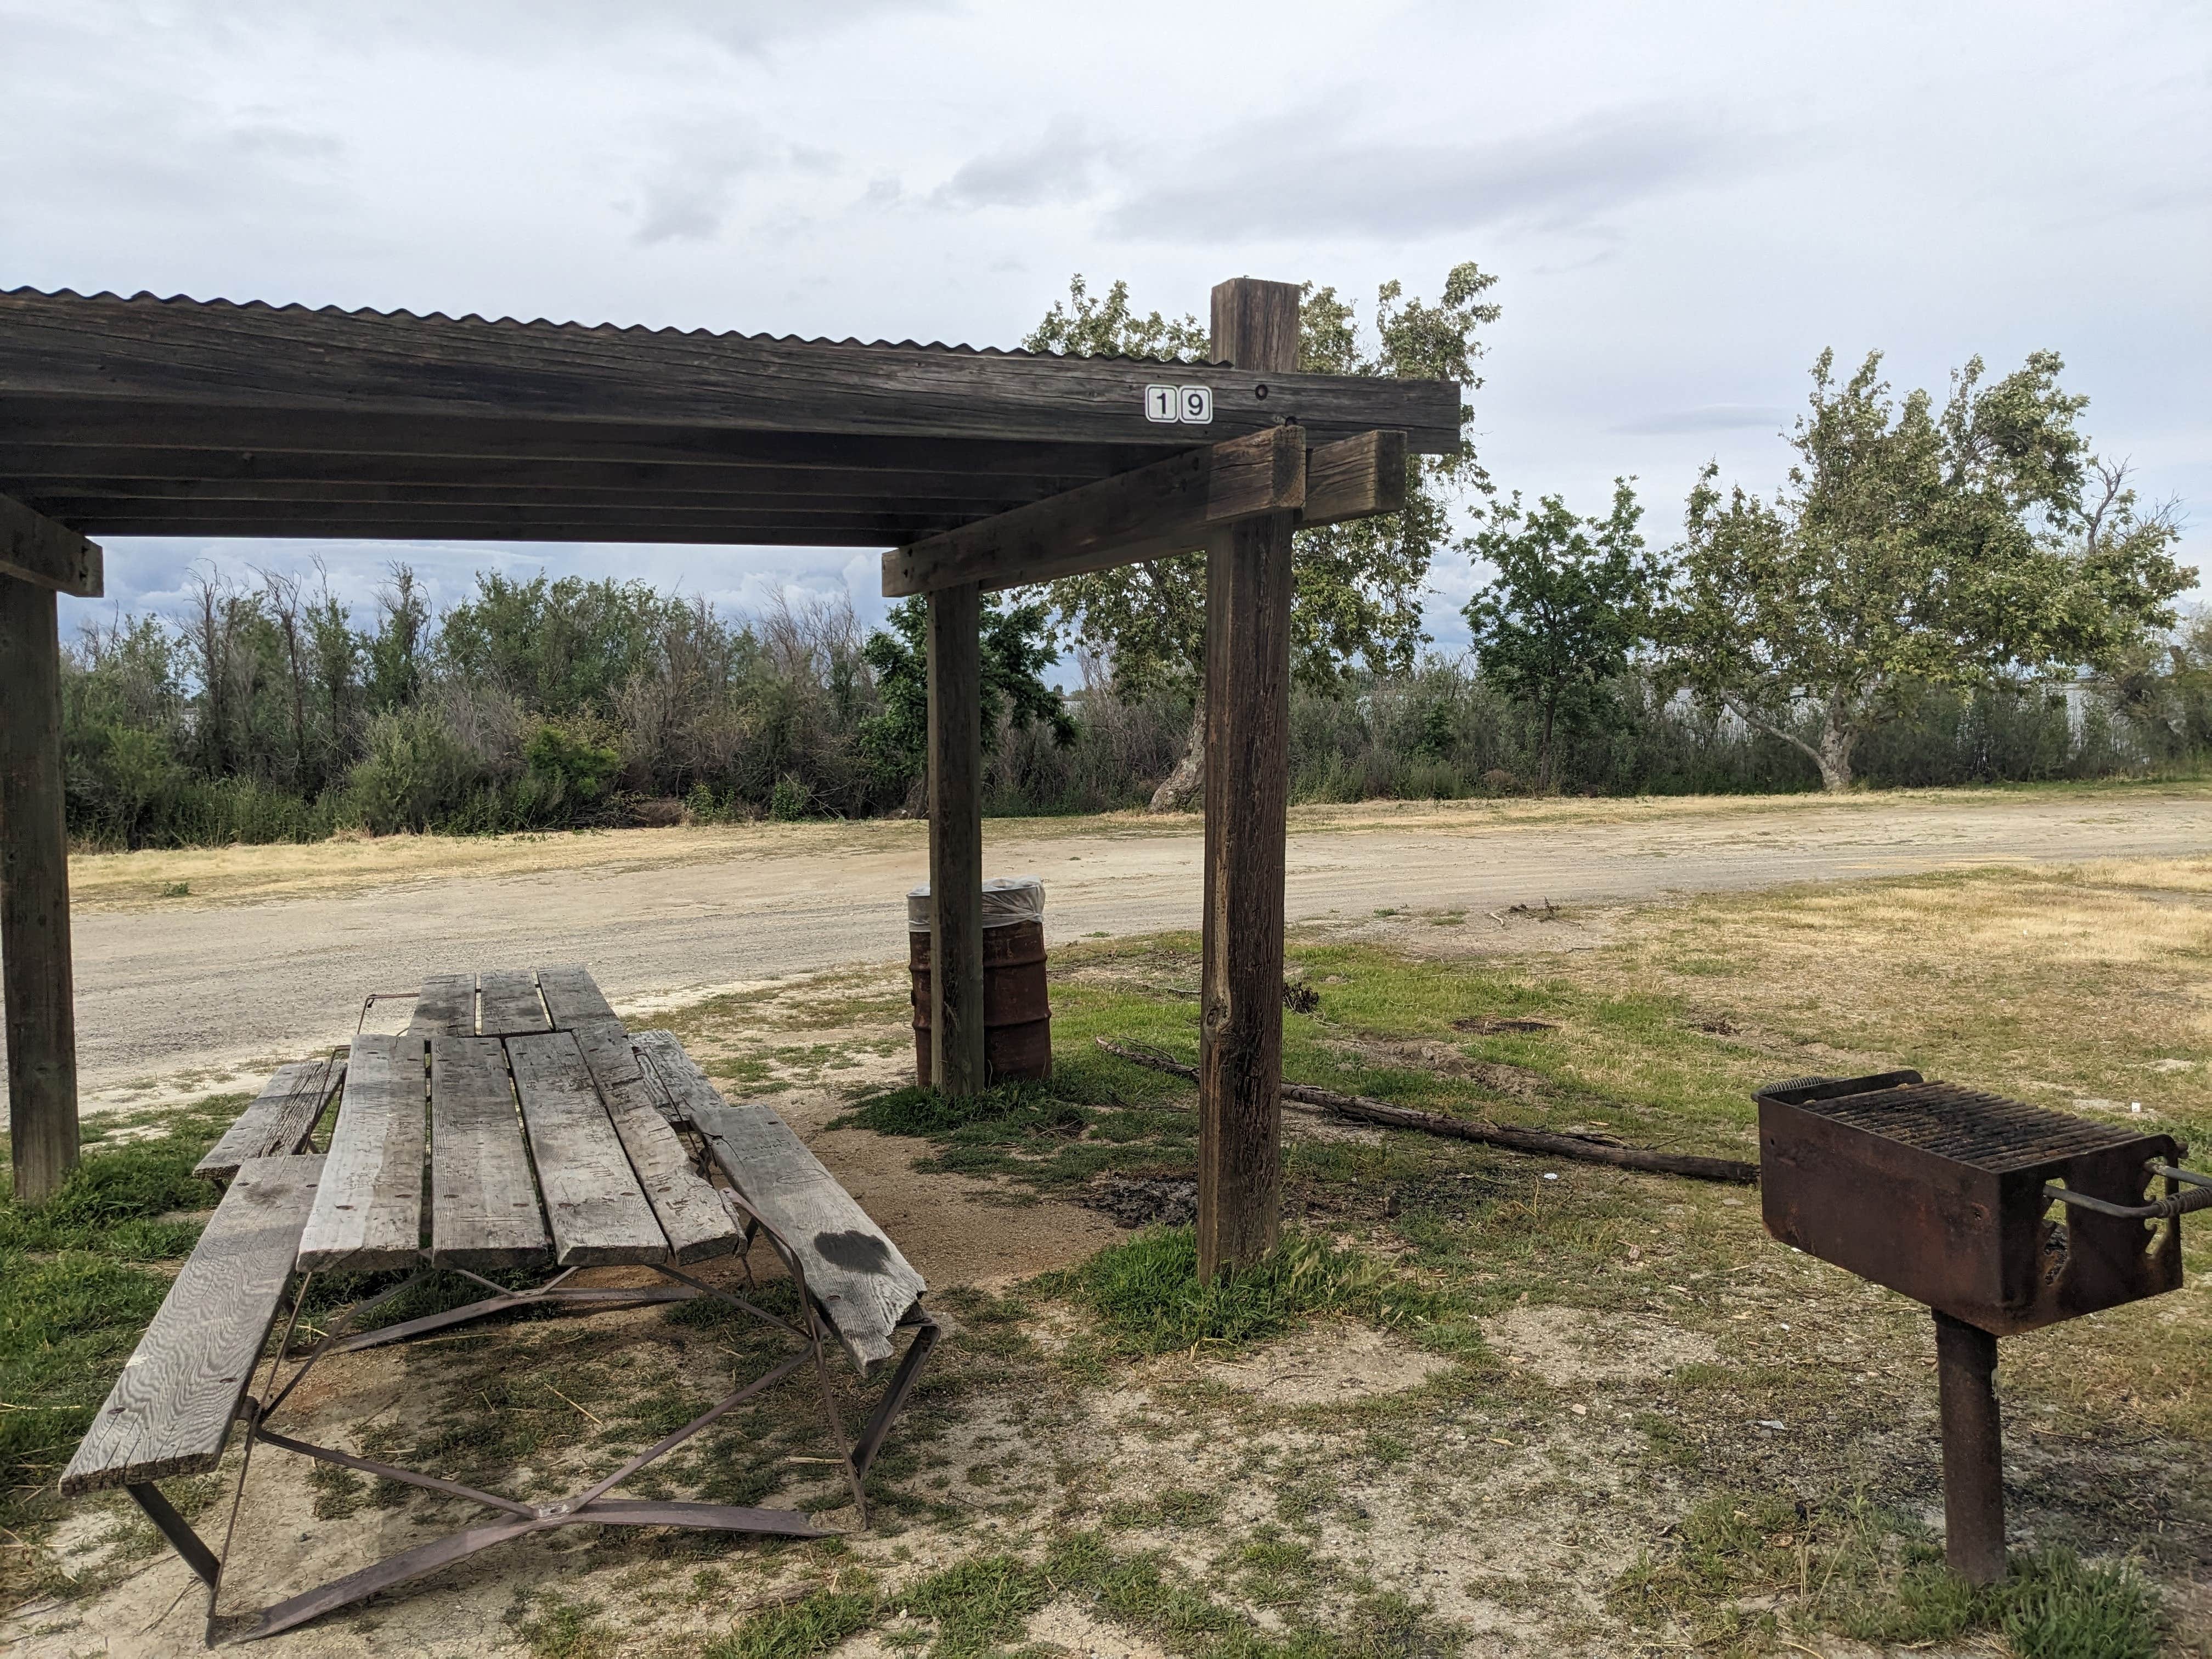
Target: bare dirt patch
[1329,1363]
[1570,1346]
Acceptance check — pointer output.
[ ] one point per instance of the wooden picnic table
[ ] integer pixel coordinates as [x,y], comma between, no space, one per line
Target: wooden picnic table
[515,1123]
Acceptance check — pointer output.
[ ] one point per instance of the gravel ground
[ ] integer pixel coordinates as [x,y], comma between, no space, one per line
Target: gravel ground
[185,995]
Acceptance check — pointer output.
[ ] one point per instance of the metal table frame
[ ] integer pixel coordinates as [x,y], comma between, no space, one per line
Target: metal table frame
[592,1506]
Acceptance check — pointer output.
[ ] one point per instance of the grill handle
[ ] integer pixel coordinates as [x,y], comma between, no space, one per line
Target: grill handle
[2198,1198]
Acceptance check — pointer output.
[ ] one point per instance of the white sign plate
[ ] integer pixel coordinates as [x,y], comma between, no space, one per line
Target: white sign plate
[1190,406]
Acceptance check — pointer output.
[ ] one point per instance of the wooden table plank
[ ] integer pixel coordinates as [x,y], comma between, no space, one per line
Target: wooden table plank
[691,1212]
[280,1120]
[447,1007]
[509,1004]
[483,1203]
[572,996]
[853,1271]
[597,1210]
[368,1209]
[170,1411]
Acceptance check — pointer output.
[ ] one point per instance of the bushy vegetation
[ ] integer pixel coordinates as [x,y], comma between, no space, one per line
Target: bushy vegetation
[554,704]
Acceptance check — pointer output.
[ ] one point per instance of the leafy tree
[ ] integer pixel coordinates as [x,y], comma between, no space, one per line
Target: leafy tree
[1017,649]
[1572,599]
[561,646]
[398,654]
[1968,545]
[1359,584]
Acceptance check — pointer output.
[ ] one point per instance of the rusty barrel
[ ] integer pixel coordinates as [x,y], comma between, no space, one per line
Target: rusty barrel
[1017,1016]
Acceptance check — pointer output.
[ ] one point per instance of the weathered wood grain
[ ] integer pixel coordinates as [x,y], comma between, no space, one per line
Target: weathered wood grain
[1247,710]
[35,548]
[447,1007]
[572,996]
[1354,478]
[36,468]
[40,1008]
[1165,508]
[858,1279]
[507,1004]
[697,1223]
[598,1211]
[214,354]
[170,1411]
[278,1121]
[955,782]
[483,1203]
[368,1207]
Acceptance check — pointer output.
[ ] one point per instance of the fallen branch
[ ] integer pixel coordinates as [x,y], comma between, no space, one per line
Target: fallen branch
[1359,1108]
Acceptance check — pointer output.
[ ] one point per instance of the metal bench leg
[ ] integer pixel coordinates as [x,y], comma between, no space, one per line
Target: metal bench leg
[895,1391]
[179,1531]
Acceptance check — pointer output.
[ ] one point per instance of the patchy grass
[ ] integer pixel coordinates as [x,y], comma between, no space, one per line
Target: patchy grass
[1148,1299]
[808,1628]
[1662,1433]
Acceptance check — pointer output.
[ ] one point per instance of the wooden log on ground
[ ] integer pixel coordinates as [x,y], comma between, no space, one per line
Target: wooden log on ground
[35,923]
[955,840]
[1248,713]
[1360,1108]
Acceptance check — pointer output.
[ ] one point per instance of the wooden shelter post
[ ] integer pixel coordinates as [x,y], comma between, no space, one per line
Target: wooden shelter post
[1248,712]
[956,838]
[39,558]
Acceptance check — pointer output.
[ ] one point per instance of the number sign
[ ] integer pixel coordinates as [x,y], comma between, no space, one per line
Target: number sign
[1191,405]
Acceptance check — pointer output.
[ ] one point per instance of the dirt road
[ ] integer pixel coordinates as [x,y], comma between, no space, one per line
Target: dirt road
[189,992]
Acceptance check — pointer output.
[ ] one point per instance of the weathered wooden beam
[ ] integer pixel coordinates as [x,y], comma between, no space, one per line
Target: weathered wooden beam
[1354,477]
[1166,507]
[34,548]
[1247,710]
[35,975]
[160,357]
[957,1058]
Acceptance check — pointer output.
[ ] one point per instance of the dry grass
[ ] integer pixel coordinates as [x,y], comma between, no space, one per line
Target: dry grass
[128,881]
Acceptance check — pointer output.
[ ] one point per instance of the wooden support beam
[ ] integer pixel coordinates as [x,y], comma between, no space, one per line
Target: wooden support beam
[36,980]
[1248,709]
[1354,477]
[955,840]
[1166,507]
[34,548]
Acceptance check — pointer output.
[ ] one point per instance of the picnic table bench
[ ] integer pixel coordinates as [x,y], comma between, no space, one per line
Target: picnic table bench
[543,1132]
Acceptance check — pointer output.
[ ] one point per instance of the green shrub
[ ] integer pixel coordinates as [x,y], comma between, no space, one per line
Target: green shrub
[414,773]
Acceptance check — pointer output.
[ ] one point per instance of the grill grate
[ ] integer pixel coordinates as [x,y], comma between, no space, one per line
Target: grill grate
[1985,1132]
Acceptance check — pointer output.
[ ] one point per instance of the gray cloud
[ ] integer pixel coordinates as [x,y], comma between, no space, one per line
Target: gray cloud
[1708,417]
[1561,179]
[1060,166]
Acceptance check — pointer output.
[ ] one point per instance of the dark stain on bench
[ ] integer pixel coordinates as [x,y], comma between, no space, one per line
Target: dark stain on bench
[854,1250]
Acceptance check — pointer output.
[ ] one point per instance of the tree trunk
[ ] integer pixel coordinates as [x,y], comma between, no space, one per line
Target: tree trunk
[1181,785]
[1838,738]
[1547,769]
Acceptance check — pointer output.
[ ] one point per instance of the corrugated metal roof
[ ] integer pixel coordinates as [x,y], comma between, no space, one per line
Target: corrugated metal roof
[146,297]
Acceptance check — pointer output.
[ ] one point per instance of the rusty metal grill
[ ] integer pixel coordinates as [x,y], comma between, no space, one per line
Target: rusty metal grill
[1983,1131]
[2001,1216]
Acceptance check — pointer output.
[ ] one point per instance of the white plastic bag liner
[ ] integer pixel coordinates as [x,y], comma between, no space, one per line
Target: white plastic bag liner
[1007,901]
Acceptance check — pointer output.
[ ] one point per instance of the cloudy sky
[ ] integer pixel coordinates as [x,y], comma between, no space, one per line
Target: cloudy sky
[1683,204]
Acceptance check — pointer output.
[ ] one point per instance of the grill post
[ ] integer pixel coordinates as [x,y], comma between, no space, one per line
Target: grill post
[1973,1451]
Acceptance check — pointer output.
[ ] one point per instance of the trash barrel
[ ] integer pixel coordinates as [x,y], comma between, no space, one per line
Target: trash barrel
[1017,1016]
